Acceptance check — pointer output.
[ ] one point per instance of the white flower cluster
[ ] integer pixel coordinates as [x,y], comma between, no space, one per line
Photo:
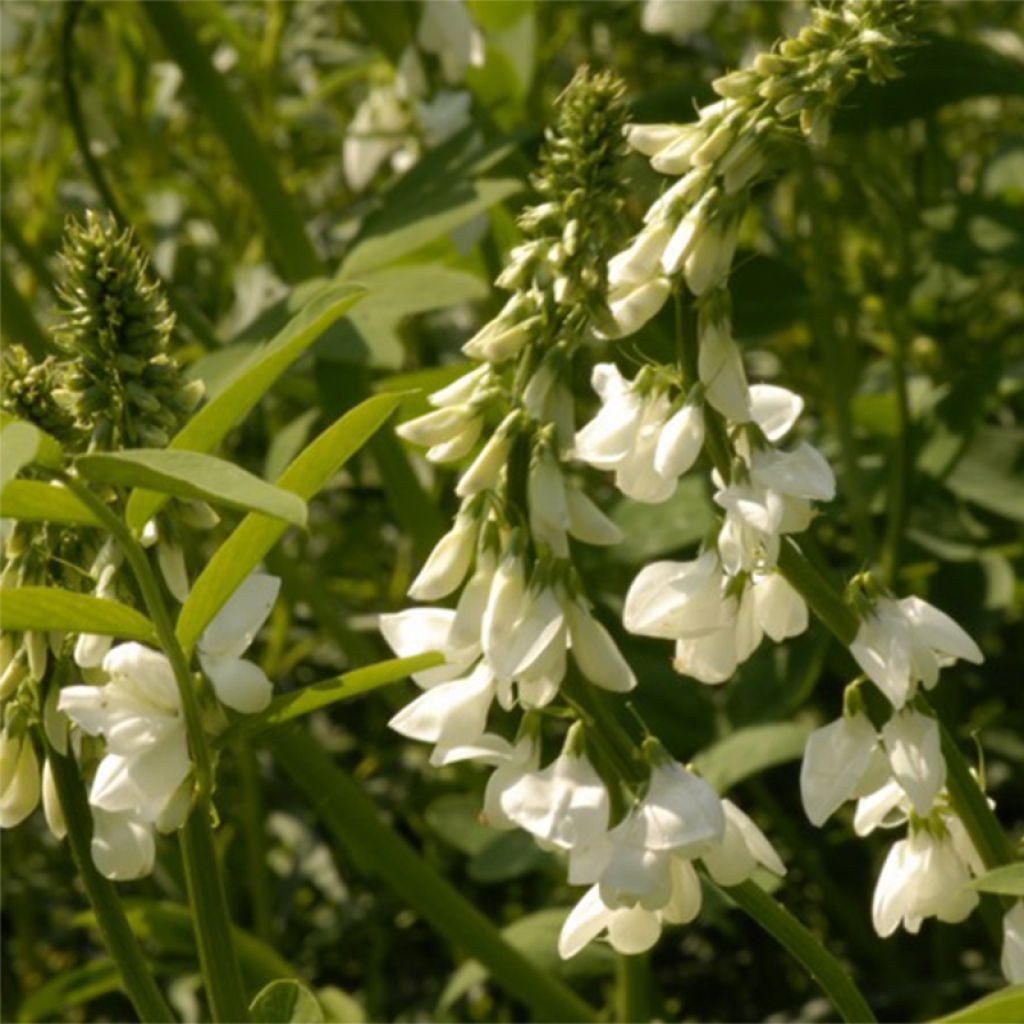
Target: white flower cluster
[132,727]
[398,118]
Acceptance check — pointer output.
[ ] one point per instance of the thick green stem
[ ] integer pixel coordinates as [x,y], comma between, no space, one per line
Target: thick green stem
[117,934]
[355,825]
[633,988]
[221,972]
[790,933]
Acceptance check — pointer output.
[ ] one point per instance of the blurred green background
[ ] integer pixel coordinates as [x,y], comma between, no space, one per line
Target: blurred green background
[882,278]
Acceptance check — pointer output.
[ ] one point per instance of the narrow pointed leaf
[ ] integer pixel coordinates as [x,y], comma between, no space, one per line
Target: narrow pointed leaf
[289,706]
[32,501]
[257,534]
[1003,1007]
[47,608]
[194,476]
[1007,880]
[210,425]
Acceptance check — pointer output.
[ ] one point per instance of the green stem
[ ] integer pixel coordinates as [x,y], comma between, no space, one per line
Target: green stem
[633,988]
[221,972]
[790,933]
[117,934]
[355,825]
[901,468]
[297,257]
[253,818]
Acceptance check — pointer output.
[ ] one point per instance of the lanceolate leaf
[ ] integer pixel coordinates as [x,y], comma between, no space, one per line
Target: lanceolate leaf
[192,475]
[46,608]
[32,501]
[305,701]
[209,426]
[1003,1007]
[1007,880]
[257,534]
[21,444]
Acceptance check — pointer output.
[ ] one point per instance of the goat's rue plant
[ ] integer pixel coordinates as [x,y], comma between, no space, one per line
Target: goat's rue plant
[131,676]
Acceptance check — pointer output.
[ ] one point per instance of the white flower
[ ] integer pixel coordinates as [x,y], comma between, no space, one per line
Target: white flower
[463,389]
[835,759]
[720,367]
[631,929]
[443,116]
[774,409]
[19,780]
[710,255]
[451,431]
[632,304]
[123,846]
[675,18]
[447,31]
[1012,960]
[139,714]
[241,685]
[596,653]
[419,630]
[447,564]
[565,806]
[884,806]
[624,435]
[913,745]
[450,714]
[484,470]
[672,599]
[923,876]
[641,262]
[903,642]
[742,848]
[533,657]
[377,130]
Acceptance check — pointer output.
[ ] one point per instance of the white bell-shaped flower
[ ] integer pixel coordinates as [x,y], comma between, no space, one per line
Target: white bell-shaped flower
[484,470]
[836,757]
[450,714]
[901,643]
[1012,959]
[641,262]
[241,685]
[19,780]
[923,876]
[139,714]
[743,847]
[885,806]
[52,809]
[449,561]
[913,745]
[566,805]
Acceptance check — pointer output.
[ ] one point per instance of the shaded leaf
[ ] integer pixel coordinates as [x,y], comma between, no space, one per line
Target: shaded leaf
[749,751]
[1006,880]
[47,608]
[192,475]
[1003,1007]
[285,1001]
[22,444]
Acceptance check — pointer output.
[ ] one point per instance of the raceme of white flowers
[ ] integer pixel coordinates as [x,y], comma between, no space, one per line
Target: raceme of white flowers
[508,637]
[129,729]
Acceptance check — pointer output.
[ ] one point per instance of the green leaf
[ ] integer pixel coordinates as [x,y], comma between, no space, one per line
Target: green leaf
[33,501]
[257,534]
[1007,880]
[70,988]
[22,444]
[536,937]
[285,1002]
[749,751]
[305,701]
[46,608]
[339,1007]
[400,230]
[210,425]
[652,531]
[192,475]
[455,818]
[1003,1007]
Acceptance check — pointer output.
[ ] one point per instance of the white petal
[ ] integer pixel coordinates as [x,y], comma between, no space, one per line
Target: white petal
[52,810]
[774,409]
[685,902]
[585,922]
[710,658]
[19,780]
[91,649]
[632,309]
[123,848]
[835,758]
[596,653]
[448,562]
[633,930]
[780,610]
[680,442]
[587,522]
[1012,960]
[235,626]
[681,812]
[886,807]
[936,629]
[146,671]
[721,371]
[241,685]
[419,630]
[801,473]
[912,742]
[893,893]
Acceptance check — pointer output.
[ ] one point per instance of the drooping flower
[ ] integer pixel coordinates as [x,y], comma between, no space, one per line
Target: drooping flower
[19,779]
[1012,959]
[743,847]
[835,760]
